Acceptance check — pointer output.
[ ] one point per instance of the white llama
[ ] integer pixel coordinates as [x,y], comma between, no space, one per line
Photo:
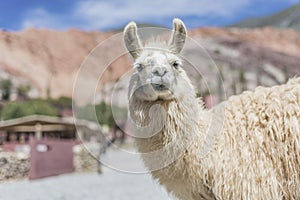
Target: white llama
[256,135]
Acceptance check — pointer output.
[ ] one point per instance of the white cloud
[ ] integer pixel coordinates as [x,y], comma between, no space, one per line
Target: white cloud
[40,18]
[100,14]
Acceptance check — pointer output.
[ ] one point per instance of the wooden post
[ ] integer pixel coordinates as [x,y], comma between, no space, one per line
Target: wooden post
[38,131]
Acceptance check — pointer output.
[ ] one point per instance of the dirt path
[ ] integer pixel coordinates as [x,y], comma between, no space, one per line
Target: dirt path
[111,185]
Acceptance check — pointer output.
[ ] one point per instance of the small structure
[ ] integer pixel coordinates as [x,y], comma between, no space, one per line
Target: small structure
[18,131]
[48,140]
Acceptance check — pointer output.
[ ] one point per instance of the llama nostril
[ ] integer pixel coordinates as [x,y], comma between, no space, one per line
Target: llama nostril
[164,73]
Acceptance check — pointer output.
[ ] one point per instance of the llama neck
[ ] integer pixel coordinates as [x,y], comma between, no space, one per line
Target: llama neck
[176,122]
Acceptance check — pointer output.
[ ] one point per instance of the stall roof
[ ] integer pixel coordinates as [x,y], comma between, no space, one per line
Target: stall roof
[47,120]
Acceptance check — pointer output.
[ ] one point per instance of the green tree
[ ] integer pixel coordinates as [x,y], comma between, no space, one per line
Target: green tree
[5,87]
[23,91]
[61,102]
[243,80]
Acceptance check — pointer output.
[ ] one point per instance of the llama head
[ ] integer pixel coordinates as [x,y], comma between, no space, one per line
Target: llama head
[158,74]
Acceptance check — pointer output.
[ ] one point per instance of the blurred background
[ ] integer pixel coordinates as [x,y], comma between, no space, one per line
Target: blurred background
[43,45]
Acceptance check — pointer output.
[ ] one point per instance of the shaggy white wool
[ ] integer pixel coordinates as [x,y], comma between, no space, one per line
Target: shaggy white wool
[255,155]
[259,148]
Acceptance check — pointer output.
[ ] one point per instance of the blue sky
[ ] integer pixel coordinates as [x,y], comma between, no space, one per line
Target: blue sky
[113,14]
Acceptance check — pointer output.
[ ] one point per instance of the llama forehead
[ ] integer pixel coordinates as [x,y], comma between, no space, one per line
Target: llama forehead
[154,57]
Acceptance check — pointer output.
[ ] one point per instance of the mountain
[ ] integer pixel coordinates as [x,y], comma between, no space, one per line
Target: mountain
[289,18]
[49,60]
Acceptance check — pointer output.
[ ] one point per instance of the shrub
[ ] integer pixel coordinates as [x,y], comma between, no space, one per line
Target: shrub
[103,113]
[32,107]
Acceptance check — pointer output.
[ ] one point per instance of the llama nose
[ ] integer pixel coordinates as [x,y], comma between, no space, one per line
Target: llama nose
[159,71]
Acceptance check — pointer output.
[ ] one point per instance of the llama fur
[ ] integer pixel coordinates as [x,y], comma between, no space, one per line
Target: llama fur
[247,147]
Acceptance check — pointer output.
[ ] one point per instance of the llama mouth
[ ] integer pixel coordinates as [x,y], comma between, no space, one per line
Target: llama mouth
[159,87]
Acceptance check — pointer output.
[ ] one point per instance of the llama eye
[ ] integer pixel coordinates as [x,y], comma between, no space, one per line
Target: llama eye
[139,67]
[176,65]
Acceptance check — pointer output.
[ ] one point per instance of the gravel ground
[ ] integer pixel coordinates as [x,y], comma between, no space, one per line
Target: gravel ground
[111,185]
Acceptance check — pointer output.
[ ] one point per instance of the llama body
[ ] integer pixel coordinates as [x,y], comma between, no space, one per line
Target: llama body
[245,148]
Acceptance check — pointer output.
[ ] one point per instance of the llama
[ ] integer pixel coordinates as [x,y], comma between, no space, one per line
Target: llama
[252,140]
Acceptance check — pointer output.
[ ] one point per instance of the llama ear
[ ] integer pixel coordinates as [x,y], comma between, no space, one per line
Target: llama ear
[178,37]
[132,40]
